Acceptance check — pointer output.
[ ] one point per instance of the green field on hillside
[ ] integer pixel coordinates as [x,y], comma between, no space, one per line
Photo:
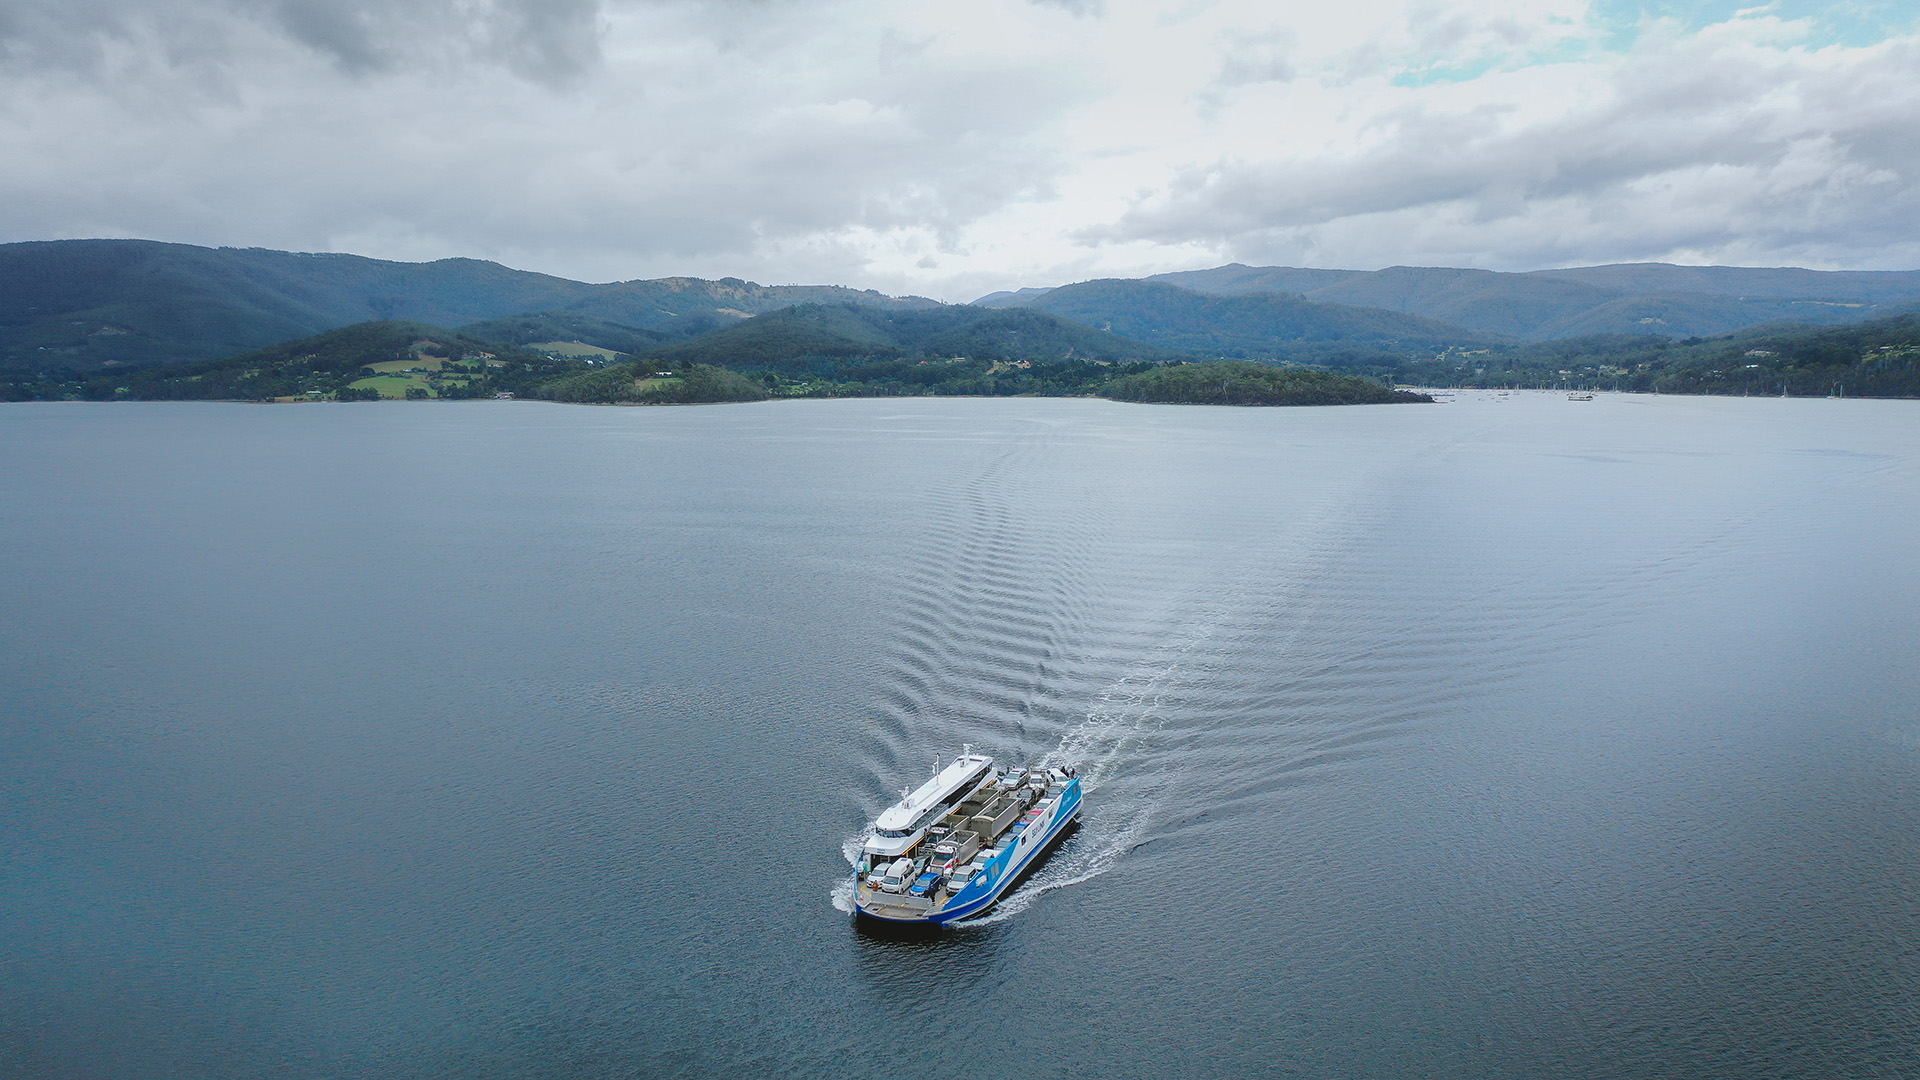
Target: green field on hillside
[577,349]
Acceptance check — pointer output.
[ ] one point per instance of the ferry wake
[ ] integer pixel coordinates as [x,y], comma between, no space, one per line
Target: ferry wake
[951,849]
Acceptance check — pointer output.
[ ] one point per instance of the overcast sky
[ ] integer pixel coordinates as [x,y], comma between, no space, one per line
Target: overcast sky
[954,148]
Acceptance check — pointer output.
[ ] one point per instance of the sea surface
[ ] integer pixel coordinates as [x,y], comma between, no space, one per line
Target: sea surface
[1508,737]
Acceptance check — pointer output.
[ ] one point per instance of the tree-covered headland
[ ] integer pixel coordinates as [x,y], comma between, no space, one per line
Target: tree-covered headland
[1237,382]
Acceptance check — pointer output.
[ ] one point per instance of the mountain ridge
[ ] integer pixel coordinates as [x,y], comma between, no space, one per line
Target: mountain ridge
[90,304]
[1273,326]
[1543,305]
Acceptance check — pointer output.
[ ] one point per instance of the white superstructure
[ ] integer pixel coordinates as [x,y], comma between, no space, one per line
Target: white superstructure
[902,825]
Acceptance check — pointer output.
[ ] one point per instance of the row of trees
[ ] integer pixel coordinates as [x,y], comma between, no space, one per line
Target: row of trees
[631,383]
[1230,382]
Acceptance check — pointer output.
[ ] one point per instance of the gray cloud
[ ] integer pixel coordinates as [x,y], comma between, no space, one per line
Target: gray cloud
[543,40]
[1082,8]
[1247,59]
[706,150]
[1792,155]
[918,150]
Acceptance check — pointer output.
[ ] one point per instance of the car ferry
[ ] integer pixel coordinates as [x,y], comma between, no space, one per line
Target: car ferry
[952,848]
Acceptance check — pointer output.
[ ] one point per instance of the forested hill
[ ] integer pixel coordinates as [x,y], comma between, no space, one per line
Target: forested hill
[807,351]
[83,304]
[1633,298]
[1256,325]
[1542,305]
[1879,358]
[818,350]
[808,333]
[367,361]
[393,359]
[81,318]
[560,326]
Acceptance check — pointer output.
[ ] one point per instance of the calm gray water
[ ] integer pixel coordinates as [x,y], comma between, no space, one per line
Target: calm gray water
[1505,738]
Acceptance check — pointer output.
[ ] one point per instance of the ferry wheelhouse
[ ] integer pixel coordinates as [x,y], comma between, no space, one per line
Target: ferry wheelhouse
[953,847]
